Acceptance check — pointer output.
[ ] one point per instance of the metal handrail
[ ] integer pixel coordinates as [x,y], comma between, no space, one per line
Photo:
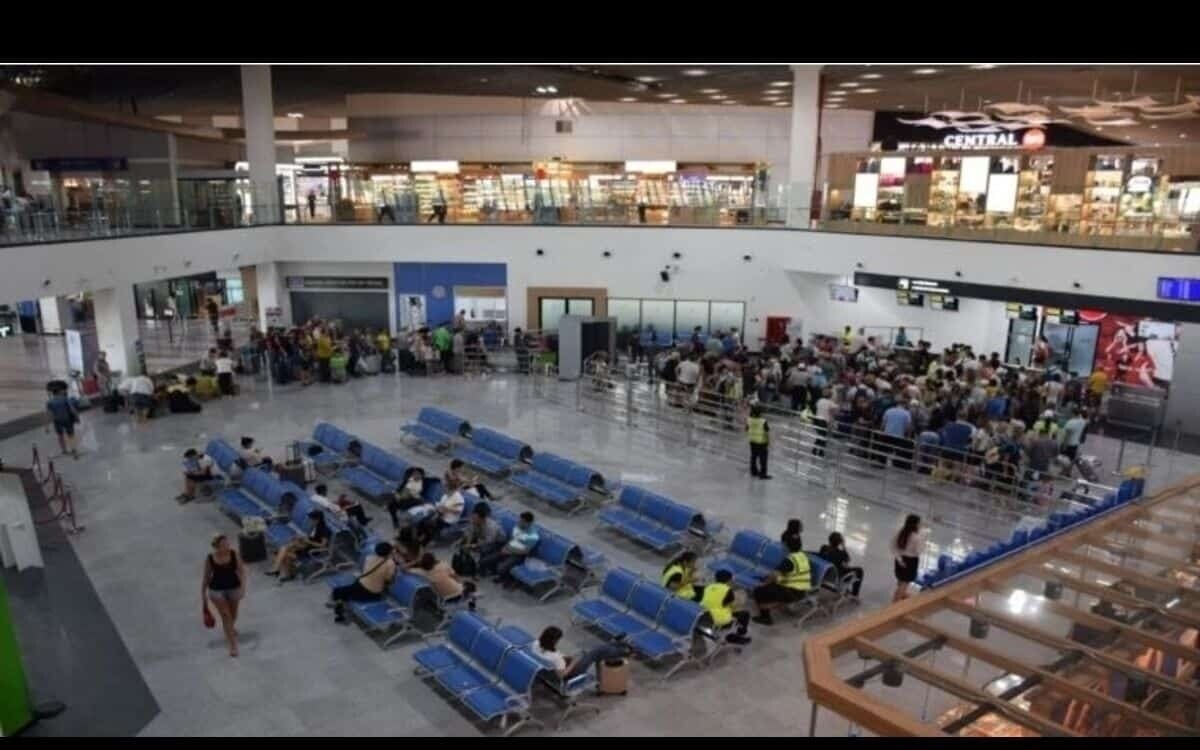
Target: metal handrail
[860,461]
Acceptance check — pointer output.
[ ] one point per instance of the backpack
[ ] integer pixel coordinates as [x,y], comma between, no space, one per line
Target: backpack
[463,563]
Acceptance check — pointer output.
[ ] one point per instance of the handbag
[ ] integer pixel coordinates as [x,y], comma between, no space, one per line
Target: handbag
[463,563]
[209,621]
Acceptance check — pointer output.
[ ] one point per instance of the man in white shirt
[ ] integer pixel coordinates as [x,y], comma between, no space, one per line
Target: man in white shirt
[140,390]
[225,373]
[446,513]
[687,374]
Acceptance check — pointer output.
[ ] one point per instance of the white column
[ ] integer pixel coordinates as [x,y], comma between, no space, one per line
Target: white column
[258,120]
[804,142]
[173,177]
[272,292]
[117,328]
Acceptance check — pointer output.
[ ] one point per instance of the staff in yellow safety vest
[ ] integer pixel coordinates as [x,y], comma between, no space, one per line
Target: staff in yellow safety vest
[791,582]
[717,599]
[759,434]
[679,576]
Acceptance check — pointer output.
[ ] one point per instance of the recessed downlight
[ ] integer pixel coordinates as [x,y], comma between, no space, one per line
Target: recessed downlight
[710,91]
[628,98]
[780,84]
[665,95]
[694,72]
[871,76]
[849,84]
[679,101]
[866,91]
[925,71]
[648,79]
[982,66]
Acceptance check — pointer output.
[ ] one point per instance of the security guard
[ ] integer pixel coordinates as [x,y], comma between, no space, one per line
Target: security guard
[679,576]
[717,599]
[789,583]
[758,431]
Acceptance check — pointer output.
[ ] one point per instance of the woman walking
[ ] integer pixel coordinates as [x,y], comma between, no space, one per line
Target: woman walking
[224,585]
[906,549]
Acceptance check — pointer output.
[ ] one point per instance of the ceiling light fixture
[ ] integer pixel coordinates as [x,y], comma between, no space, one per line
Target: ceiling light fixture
[710,91]
[718,97]
[781,104]
[867,91]
[1183,135]
[295,115]
[982,66]
[551,90]
[833,106]
[729,101]
[665,95]
[780,84]
[1153,127]
[628,98]
[871,76]
[925,71]
[849,84]
[648,79]
[679,101]
[694,72]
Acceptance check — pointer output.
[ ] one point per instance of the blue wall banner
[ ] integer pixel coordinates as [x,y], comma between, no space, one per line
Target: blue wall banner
[437,281]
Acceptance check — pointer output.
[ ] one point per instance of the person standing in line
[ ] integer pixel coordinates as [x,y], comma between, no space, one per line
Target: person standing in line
[758,432]
[224,584]
[64,417]
[906,549]
[103,374]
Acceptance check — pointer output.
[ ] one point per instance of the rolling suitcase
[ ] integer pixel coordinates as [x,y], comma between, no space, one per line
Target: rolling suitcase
[1089,467]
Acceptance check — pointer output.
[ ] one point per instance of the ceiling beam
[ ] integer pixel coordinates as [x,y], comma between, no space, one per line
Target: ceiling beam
[1111,594]
[1137,553]
[1105,624]
[1029,632]
[976,649]
[963,689]
[1126,574]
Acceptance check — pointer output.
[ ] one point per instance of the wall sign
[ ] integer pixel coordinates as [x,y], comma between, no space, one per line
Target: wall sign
[371,283]
[81,164]
[1180,289]
[965,131]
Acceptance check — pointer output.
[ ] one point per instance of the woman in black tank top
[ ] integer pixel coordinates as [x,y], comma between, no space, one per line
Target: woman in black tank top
[224,586]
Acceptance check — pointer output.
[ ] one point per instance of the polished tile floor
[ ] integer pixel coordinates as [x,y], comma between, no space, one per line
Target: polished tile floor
[300,674]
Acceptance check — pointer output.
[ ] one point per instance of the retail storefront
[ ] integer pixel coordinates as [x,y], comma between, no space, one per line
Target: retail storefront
[1021,183]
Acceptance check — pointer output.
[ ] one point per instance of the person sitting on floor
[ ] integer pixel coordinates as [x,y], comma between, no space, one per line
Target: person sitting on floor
[379,570]
[449,587]
[317,539]
[717,598]
[179,398]
[521,542]
[835,552]
[197,467]
[789,583]
[679,575]
[566,667]
[457,474]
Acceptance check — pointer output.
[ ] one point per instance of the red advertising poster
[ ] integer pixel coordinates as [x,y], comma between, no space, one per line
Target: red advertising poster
[1133,349]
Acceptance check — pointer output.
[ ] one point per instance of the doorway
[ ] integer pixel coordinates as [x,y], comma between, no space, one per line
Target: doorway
[552,309]
[1020,341]
[1072,347]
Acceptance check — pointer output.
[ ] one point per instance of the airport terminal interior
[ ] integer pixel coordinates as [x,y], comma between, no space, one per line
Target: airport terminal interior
[479,400]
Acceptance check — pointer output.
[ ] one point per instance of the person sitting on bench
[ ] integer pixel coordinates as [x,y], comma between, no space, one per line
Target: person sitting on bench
[449,587]
[718,599]
[197,467]
[379,570]
[789,583]
[408,495]
[248,453]
[679,576]
[835,552]
[567,667]
[345,508]
[521,542]
[317,539]
[458,475]
[446,513]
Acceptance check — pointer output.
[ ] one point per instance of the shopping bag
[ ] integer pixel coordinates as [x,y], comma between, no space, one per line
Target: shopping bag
[209,621]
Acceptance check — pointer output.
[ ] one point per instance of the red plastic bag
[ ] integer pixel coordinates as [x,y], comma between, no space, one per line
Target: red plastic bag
[209,620]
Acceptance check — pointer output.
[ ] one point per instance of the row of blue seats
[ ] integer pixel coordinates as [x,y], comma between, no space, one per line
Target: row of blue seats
[753,556]
[656,520]
[656,624]
[562,483]
[393,616]
[555,563]
[330,447]
[437,428]
[225,457]
[377,473]
[491,670]
[948,568]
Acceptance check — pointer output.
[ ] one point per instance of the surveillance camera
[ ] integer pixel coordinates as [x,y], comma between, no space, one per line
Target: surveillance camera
[540,251]
[607,253]
[46,282]
[676,255]
[747,258]
[664,275]
[1076,284]
[958,274]
[186,264]
[858,264]
[236,256]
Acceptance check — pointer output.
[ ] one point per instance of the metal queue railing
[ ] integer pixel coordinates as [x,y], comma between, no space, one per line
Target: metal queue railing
[952,488]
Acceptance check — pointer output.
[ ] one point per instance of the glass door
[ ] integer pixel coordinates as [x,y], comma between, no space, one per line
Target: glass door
[1083,349]
[1020,341]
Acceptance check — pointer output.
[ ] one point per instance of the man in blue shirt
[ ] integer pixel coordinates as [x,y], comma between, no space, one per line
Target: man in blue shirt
[520,544]
[64,417]
[897,431]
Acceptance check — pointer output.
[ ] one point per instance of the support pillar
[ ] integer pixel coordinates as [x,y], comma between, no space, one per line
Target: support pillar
[271,288]
[173,178]
[804,143]
[117,329]
[258,121]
